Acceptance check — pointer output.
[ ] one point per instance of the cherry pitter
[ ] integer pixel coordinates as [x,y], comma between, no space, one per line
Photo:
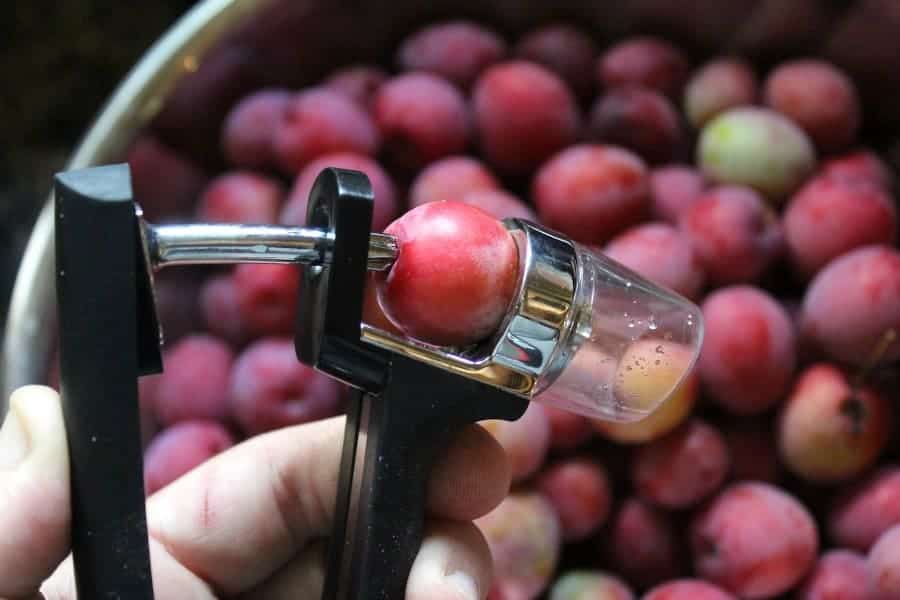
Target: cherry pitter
[582,333]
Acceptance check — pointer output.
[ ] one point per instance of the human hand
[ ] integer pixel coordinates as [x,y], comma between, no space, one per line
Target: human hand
[250,523]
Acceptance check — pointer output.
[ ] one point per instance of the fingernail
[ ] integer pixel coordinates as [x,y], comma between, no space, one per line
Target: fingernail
[14,440]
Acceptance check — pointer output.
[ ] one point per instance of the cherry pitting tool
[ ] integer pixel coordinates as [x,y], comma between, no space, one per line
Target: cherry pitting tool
[582,333]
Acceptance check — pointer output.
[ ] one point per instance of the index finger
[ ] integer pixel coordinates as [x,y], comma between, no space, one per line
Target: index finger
[238,518]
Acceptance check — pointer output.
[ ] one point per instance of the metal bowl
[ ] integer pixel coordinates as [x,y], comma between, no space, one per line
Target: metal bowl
[294,42]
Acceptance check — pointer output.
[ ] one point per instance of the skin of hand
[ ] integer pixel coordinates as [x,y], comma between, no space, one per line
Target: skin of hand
[249,523]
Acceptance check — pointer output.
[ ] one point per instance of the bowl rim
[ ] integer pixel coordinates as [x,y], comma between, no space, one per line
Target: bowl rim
[29,339]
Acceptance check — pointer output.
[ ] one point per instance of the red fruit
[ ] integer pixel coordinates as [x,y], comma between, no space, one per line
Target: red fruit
[673,189]
[754,540]
[523,535]
[662,254]
[735,234]
[249,131]
[179,449]
[838,575]
[384,209]
[831,430]
[240,197]
[859,165]
[566,51]
[523,115]
[639,119]
[579,490]
[568,430]
[525,440]
[883,567]
[422,118]
[852,304]
[819,97]
[687,589]
[717,86]
[865,510]
[748,351]
[321,121]
[360,83]
[591,192]
[372,313]
[164,183]
[450,179]
[646,61]
[455,276]
[221,311]
[682,468]
[269,388]
[267,296]
[830,216]
[499,204]
[455,50]
[194,382]
[642,544]
[752,448]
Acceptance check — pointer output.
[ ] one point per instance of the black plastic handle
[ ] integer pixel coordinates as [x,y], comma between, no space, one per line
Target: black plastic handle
[392,441]
[100,264]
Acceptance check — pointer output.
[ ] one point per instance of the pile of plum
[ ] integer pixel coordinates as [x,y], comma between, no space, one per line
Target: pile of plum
[773,470]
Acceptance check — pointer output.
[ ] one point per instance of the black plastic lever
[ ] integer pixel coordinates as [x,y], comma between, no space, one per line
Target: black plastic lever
[390,446]
[106,338]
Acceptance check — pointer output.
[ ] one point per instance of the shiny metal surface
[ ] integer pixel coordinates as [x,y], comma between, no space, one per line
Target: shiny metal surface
[224,243]
[539,332]
[298,41]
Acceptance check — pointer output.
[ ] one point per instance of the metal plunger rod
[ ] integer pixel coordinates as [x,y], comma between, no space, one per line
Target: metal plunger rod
[214,243]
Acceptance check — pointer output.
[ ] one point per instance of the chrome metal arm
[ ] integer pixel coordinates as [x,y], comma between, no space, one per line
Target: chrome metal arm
[214,243]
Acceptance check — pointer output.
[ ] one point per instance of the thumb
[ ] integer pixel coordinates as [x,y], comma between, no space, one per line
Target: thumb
[34,491]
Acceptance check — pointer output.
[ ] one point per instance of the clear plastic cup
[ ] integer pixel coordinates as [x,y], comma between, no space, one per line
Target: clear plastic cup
[632,345]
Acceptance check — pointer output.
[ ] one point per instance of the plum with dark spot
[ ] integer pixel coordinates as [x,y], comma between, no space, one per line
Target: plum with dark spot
[830,428]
